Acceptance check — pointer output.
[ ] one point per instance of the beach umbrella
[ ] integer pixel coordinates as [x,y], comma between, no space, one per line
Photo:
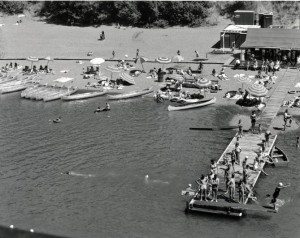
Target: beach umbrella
[112,69]
[177,58]
[127,78]
[204,83]
[97,61]
[48,58]
[32,59]
[163,60]
[142,60]
[257,90]
[242,79]
[176,77]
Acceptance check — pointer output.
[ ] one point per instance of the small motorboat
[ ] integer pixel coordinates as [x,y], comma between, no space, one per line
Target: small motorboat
[186,106]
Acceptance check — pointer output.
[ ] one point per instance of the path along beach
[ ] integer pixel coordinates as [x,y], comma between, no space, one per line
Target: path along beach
[34,38]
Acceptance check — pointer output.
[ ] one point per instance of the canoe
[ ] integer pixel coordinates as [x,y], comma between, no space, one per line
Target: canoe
[130,94]
[202,103]
[279,157]
[81,96]
[13,89]
[59,95]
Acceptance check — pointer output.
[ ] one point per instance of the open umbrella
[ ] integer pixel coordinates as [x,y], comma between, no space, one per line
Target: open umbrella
[112,69]
[48,58]
[257,90]
[163,60]
[32,59]
[204,83]
[97,62]
[142,59]
[177,58]
[242,79]
[127,78]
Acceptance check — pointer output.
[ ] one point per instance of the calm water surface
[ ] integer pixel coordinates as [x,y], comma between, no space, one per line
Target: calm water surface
[119,148]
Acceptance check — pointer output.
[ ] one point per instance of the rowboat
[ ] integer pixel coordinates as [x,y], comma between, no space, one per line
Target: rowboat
[130,94]
[81,96]
[279,158]
[202,103]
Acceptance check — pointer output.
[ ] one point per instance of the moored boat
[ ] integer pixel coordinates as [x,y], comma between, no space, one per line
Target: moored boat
[81,96]
[130,94]
[186,106]
[279,158]
[13,89]
[60,94]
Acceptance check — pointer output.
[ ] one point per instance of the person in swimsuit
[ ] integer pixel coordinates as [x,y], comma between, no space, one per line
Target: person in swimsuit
[241,186]
[276,194]
[213,167]
[231,186]
[202,182]
[215,186]
[253,121]
[238,151]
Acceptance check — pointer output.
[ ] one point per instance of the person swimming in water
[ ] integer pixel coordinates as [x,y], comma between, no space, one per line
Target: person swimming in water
[71,173]
[57,120]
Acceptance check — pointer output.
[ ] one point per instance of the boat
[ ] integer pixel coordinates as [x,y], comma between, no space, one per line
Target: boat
[102,110]
[186,106]
[81,96]
[130,94]
[60,94]
[279,158]
[13,89]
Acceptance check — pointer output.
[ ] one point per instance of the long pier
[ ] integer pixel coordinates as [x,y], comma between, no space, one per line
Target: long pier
[251,145]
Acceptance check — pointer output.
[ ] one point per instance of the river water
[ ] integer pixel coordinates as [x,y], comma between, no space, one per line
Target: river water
[118,149]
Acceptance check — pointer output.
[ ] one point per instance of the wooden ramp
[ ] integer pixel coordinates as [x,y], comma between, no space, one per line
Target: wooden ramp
[276,99]
[250,145]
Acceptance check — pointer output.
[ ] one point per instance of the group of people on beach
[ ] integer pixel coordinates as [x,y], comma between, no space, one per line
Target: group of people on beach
[10,66]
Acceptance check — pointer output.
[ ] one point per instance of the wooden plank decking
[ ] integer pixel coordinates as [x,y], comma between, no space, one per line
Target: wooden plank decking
[250,145]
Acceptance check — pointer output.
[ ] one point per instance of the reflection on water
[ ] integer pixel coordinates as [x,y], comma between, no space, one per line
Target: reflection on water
[118,149]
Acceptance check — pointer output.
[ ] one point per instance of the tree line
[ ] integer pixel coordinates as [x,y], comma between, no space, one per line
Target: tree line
[135,13]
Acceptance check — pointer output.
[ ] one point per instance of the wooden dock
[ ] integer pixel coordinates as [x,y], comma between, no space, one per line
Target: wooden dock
[250,144]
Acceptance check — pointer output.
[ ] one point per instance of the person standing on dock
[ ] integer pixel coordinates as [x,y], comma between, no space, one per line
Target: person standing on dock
[253,121]
[240,126]
[231,186]
[202,182]
[241,187]
[286,117]
[213,166]
[238,151]
[215,187]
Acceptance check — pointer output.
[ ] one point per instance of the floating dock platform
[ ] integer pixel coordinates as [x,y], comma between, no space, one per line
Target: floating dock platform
[250,144]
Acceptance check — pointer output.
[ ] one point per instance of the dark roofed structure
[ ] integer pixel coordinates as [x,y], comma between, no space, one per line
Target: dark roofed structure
[269,38]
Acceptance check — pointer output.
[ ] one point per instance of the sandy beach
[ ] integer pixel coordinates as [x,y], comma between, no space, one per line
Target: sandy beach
[36,38]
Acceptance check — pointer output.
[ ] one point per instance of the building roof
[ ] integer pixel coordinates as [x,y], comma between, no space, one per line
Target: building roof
[239,28]
[272,38]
